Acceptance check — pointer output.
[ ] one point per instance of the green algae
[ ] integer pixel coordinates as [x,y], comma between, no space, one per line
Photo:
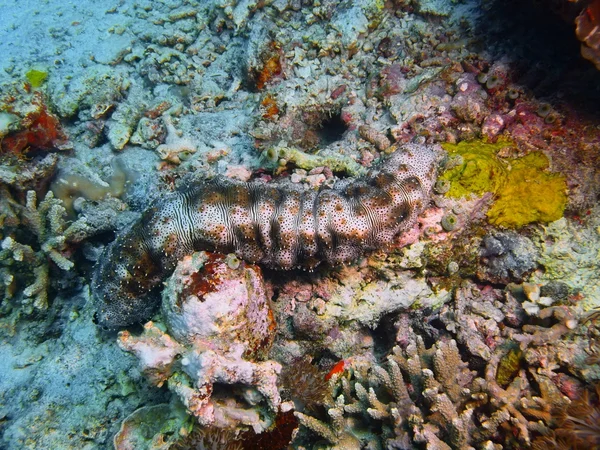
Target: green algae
[36,77]
[525,191]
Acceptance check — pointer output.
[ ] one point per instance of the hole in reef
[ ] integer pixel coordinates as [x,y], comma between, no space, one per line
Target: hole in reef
[381,335]
[331,129]
[474,362]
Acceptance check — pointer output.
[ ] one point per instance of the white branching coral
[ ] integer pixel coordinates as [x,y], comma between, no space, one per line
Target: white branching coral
[19,262]
[39,237]
[377,401]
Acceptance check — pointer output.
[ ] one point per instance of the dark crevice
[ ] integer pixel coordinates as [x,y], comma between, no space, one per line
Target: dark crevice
[540,44]
[332,129]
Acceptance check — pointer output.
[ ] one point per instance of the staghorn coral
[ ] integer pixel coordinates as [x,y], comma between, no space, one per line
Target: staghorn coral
[376,408]
[526,353]
[218,328]
[504,398]
[431,396]
[21,263]
[37,238]
[276,225]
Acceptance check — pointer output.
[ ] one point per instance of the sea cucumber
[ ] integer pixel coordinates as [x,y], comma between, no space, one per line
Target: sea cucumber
[278,225]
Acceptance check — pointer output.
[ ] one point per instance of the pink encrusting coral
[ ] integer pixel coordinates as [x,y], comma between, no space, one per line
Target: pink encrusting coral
[219,329]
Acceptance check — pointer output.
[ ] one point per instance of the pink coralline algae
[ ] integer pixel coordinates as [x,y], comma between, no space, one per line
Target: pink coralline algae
[219,327]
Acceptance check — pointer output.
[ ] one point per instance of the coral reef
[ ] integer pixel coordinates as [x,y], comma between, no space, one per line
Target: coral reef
[38,239]
[26,268]
[473,325]
[389,414]
[469,392]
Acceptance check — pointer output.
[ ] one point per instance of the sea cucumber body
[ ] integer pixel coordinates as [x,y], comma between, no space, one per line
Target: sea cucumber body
[278,225]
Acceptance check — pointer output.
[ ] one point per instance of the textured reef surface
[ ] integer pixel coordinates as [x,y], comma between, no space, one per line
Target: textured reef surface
[300,224]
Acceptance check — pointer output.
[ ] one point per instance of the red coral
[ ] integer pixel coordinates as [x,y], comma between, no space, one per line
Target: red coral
[42,131]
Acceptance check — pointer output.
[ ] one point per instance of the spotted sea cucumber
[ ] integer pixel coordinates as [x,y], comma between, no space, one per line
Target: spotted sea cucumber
[278,225]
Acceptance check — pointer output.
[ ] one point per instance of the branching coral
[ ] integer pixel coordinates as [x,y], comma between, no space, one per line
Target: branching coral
[377,408]
[22,262]
[503,397]
[39,239]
